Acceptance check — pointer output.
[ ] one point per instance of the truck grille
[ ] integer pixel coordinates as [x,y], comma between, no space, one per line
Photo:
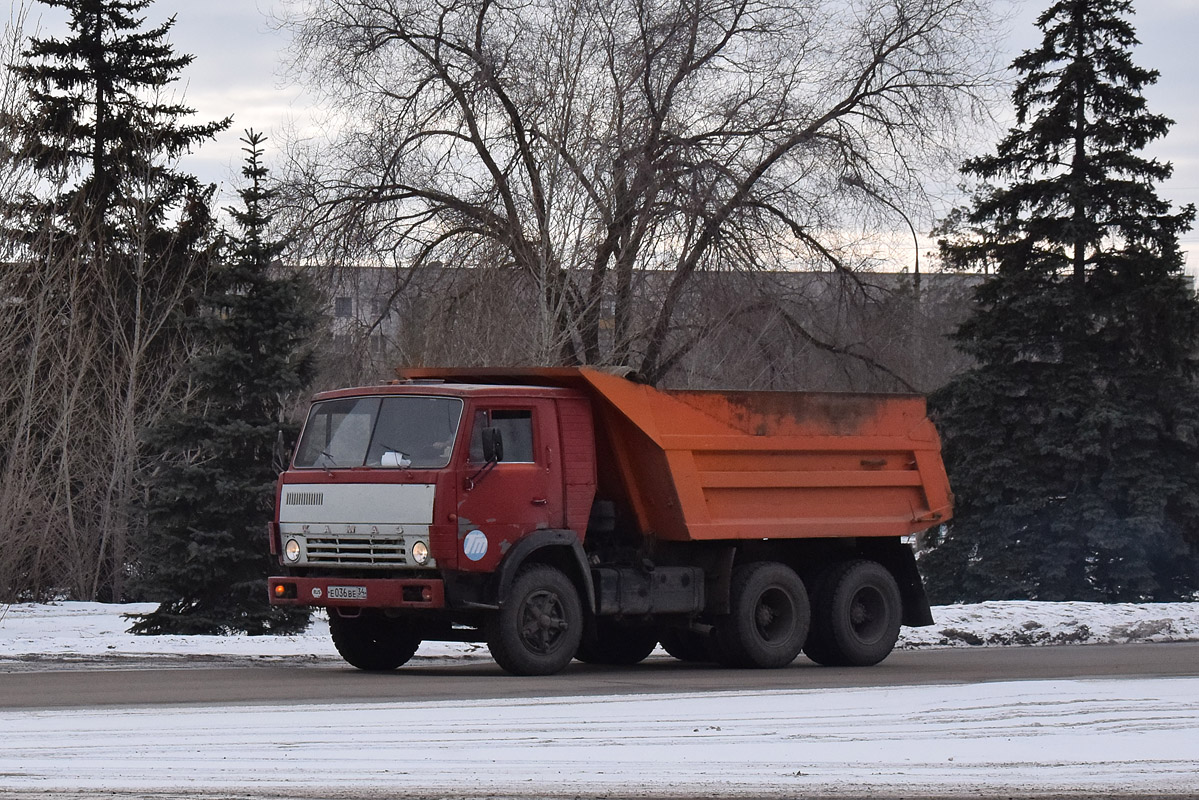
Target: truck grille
[352,549]
[305,499]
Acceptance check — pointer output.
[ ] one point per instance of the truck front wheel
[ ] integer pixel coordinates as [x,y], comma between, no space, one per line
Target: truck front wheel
[768,619]
[856,615]
[538,628]
[372,641]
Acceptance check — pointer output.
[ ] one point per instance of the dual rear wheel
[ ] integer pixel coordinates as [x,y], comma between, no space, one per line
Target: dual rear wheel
[768,617]
[850,617]
[856,613]
[766,626]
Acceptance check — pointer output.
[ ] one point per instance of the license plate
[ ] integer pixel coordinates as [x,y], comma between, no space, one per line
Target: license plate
[347,592]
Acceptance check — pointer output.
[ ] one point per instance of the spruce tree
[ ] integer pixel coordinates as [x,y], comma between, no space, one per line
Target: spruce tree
[206,557]
[100,133]
[1072,444]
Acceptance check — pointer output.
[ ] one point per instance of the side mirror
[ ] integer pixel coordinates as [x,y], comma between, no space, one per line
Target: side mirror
[493,445]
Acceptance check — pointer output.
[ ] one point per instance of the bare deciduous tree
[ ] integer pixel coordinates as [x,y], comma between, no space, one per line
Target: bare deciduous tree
[586,144]
[92,360]
[101,241]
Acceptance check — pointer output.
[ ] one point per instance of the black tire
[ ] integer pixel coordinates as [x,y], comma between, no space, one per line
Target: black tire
[372,641]
[819,646]
[616,644]
[685,645]
[856,616]
[538,628]
[768,620]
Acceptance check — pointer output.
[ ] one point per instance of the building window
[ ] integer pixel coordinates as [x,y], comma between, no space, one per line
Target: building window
[343,306]
[380,308]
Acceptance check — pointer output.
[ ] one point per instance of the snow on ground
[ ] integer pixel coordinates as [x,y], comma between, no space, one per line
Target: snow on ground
[1029,623]
[1030,738]
[997,739]
[93,630]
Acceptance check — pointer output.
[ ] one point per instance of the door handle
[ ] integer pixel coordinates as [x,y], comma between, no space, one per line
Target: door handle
[540,501]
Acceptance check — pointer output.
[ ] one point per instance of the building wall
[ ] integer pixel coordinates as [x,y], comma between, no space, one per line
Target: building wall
[794,330]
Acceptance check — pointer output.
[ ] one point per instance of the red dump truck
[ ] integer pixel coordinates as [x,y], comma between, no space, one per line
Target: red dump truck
[572,513]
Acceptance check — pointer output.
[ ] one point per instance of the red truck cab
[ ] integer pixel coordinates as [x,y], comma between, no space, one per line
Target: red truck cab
[393,482]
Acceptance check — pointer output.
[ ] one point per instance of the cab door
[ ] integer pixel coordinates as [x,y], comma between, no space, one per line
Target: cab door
[501,502]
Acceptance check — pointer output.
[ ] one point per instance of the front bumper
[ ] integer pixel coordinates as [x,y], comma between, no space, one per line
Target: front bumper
[357,593]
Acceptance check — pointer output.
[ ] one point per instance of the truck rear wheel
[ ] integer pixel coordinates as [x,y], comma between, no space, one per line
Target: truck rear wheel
[856,615]
[372,641]
[686,645]
[613,643]
[769,616]
[538,628]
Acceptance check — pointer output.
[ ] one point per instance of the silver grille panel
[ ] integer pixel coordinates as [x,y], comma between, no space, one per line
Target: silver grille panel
[356,525]
[357,549]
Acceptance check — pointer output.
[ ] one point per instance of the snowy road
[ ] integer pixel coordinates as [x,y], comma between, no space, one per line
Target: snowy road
[661,730]
[995,739]
[46,684]
[656,732]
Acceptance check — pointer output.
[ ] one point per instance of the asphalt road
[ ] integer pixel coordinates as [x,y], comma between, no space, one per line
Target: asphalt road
[101,683]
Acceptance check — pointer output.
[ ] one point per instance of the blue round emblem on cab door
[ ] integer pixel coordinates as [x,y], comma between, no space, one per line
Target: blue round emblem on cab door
[475,545]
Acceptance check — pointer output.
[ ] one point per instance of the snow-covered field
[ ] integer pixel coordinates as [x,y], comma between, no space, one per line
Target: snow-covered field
[91,631]
[1073,737]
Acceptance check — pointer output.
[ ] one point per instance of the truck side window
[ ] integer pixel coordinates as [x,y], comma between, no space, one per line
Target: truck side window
[516,426]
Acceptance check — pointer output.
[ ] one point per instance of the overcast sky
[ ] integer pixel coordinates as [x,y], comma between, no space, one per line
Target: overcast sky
[239,55]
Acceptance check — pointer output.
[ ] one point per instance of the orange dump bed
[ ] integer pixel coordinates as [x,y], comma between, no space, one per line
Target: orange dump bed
[749,465]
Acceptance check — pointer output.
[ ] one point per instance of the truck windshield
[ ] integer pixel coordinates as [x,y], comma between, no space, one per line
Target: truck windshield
[357,431]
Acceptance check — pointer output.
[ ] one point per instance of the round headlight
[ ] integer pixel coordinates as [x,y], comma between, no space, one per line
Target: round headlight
[420,553]
[291,550]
